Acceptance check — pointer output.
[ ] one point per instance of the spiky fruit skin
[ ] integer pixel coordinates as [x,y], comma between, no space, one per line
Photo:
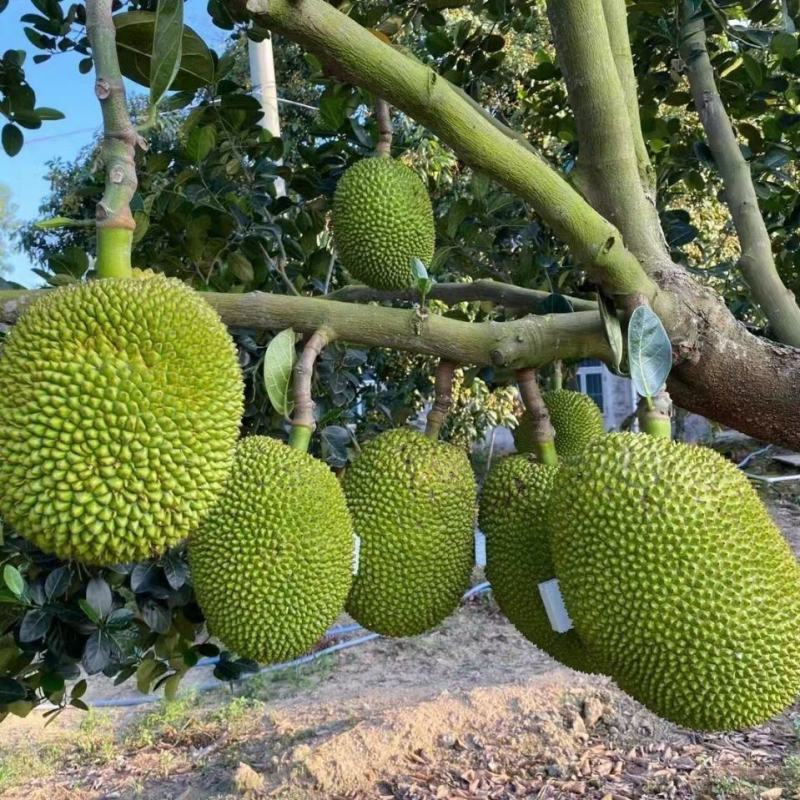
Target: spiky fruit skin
[513,516]
[576,420]
[413,505]
[382,218]
[272,564]
[678,581]
[120,404]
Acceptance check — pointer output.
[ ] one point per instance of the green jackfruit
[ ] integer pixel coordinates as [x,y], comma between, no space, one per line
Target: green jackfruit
[678,581]
[272,564]
[513,509]
[382,218]
[120,403]
[576,420]
[413,505]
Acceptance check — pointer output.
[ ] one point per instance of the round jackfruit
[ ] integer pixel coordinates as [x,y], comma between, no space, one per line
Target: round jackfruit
[120,403]
[382,218]
[413,505]
[514,502]
[678,581]
[576,420]
[272,564]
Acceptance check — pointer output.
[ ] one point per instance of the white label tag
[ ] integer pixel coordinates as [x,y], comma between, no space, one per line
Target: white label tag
[554,606]
[356,553]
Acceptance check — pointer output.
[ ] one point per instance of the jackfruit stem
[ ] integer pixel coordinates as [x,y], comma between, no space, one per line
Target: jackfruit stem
[443,399]
[558,376]
[115,223]
[303,422]
[542,432]
[655,415]
[383,116]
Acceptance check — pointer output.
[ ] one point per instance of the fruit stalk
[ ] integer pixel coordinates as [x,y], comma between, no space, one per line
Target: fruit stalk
[443,399]
[654,415]
[303,422]
[114,221]
[543,434]
[383,116]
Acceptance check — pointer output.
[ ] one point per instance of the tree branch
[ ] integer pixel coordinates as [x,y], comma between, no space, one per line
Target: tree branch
[354,54]
[607,163]
[531,341]
[383,116]
[303,422]
[442,399]
[115,224]
[616,14]
[542,432]
[506,294]
[756,262]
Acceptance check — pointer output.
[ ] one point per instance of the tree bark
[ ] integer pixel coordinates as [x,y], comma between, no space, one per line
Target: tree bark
[757,262]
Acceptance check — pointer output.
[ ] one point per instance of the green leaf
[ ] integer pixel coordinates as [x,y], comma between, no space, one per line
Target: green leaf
[47,114]
[63,222]
[87,609]
[11,691]
[135,34]
[12,139]
[279,361]
[167,40]
[98,596]
[14,580]
[649,351]
[201,142]
[240,266]
[784,45]
[612,329]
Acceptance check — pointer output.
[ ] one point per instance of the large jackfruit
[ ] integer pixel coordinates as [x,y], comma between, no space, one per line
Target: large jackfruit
[272,564]
[120,403]
[413,506]
[382,218]
[513,511]
[678,581]
[576,420]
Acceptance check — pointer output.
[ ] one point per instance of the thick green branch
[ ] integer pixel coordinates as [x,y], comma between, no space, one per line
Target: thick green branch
[527,342]
[354,54]
[616,14]
[756,262]
[115,222]
[508,295]
[607,165]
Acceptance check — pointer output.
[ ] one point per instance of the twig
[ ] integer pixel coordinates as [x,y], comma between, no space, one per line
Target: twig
[541,430]
[303,422]
[383,116]
[443,399]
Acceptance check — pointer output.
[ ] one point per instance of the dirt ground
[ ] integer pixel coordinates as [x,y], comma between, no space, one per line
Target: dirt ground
[470,710]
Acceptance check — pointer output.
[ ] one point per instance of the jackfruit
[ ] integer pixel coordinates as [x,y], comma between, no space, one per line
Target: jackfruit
[413,505]
[678,581]
[120,403]
[382,218]
[272,564]
[513,511]
[576,420]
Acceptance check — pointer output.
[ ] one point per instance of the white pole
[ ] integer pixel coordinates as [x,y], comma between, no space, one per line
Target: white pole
[265,88]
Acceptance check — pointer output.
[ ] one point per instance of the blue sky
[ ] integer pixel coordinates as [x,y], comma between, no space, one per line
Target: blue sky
[58,84]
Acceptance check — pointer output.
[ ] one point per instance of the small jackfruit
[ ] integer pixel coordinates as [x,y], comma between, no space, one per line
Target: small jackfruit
[678,581]
[413,505]
[513,516]
[120,403]
[576,420]
[382,218]
[272,564]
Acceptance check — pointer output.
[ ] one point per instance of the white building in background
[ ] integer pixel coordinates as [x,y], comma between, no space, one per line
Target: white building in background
[614,395]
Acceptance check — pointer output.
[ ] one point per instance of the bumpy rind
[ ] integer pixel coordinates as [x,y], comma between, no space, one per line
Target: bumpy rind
[678,580]
[576,420]
[413,505]
[513,511]
[382,218]
[120,404]
[271,565]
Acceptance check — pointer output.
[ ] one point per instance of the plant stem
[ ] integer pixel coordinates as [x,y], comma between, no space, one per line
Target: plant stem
[303,422]
[543,434]
[115,223]
[655,415]
[383,116]
[443,399]
[558,375]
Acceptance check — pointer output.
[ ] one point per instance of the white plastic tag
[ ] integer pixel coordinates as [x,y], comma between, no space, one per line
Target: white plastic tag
[356,553]
[554,606]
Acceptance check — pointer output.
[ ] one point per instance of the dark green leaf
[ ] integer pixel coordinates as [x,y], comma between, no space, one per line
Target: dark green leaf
[279,360]
[87,609]
[12,139]
[135,31]
[97,653]
[57,582]
[48,114]
[612,329]
[98,595]
[167,40]
[11,691]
